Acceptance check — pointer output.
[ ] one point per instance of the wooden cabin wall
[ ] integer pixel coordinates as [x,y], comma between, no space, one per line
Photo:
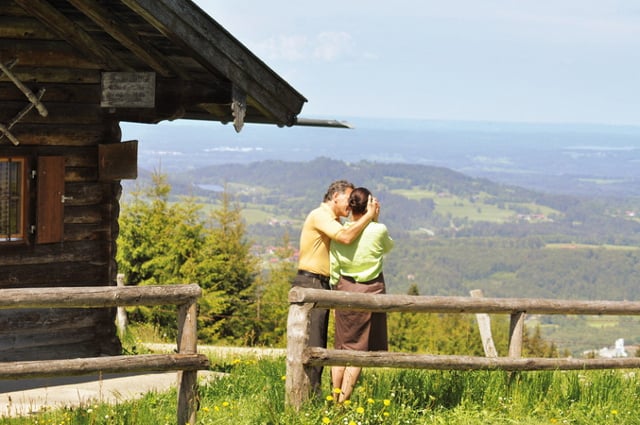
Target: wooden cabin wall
[74,127]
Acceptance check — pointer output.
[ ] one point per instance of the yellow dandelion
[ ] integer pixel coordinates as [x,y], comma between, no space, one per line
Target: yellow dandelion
[370,401]
[352,423]
[360,409]
[337,390]
[386,402]
[326,420]
[385,414]
[216,408]
[614,412]
[225,404]
[329,397]
[283,377]
[347,402]
[205,409]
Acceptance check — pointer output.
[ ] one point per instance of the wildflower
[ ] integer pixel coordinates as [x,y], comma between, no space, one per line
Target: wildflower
[326,420]
[385,414]
[360,409]
[283,377]
[205,409]
[337,390]
[386,402]
[370,401]
[614,412]
[347,402]
[352,423]
[225,404]
[329,397]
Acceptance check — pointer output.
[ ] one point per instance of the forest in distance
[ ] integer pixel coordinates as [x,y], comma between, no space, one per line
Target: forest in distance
[455,233]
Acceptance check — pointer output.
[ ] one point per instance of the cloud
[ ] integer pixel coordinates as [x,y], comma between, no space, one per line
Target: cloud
[332,46]
[328,46]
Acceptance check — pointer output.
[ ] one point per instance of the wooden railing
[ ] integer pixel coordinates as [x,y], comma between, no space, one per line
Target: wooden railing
[186,360]
[300,357]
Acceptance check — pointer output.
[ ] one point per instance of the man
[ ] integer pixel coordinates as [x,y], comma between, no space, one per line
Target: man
[320,227]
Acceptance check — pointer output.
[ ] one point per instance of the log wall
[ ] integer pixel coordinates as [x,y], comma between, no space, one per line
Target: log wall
[74,127]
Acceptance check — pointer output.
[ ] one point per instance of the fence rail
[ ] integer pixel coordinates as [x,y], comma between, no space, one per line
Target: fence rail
[300,357]
[186,361]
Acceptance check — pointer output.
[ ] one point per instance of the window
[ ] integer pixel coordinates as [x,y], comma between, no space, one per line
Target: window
[12,198]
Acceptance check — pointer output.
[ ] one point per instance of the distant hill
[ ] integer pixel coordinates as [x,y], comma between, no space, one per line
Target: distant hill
[592,160]
[420,198]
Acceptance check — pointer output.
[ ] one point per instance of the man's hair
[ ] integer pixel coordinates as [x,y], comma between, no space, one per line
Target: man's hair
[338,186]
[359,199]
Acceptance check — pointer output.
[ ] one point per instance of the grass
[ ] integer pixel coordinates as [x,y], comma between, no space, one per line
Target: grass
[478,210]
[253,392]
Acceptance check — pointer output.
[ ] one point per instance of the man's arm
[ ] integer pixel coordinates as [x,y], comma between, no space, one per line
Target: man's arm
[350,233]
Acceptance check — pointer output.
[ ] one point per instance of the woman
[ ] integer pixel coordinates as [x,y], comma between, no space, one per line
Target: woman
[357,267]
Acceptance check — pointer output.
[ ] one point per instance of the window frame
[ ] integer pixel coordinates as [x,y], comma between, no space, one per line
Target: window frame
[22,235]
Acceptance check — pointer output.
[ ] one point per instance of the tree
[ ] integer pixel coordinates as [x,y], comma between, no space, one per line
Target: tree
[227,267]
[270,305]
[158,244]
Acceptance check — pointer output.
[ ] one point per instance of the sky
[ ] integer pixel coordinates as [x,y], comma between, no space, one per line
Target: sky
[530,61]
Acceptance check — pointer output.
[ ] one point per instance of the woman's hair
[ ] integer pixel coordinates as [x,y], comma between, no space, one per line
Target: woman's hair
[338,186]
[358,200]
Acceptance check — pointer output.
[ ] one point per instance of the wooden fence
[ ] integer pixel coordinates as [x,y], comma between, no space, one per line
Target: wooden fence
[300,357]
[186,361]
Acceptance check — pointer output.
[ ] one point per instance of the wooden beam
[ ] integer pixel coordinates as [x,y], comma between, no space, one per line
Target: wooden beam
[72,33]
[440,304]
[321,356]
[98,296]
[218,51]
[108,364]
[128,38]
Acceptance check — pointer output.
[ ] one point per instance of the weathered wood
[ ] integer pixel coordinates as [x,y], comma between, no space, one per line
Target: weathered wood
[113,364]
[37,341]
[38,276]
[23,28]
[40,74]
[321,356]
[516,332]
[100,296]
[29,321]
[59,113]
[440,304]
[74,34]
[484,325]
[66,136]
[187,380]
[82,252]
[43,54]
[297,384]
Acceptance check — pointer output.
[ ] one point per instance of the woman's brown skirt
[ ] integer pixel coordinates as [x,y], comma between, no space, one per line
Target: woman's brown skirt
[361,330]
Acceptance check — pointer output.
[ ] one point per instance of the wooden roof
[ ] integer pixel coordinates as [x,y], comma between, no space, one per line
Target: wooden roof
[200,69]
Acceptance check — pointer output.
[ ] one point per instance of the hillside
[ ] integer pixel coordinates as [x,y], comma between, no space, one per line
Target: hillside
[455,233]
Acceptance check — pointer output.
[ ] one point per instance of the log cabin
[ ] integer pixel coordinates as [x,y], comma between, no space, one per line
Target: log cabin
[70,72]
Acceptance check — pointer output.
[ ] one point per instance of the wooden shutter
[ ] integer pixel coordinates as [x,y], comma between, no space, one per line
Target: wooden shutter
[50,208]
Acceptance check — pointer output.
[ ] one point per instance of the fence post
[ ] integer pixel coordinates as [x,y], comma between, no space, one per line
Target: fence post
[516,330]
[187,379]
[121,316]
[297,385]
[484,325]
